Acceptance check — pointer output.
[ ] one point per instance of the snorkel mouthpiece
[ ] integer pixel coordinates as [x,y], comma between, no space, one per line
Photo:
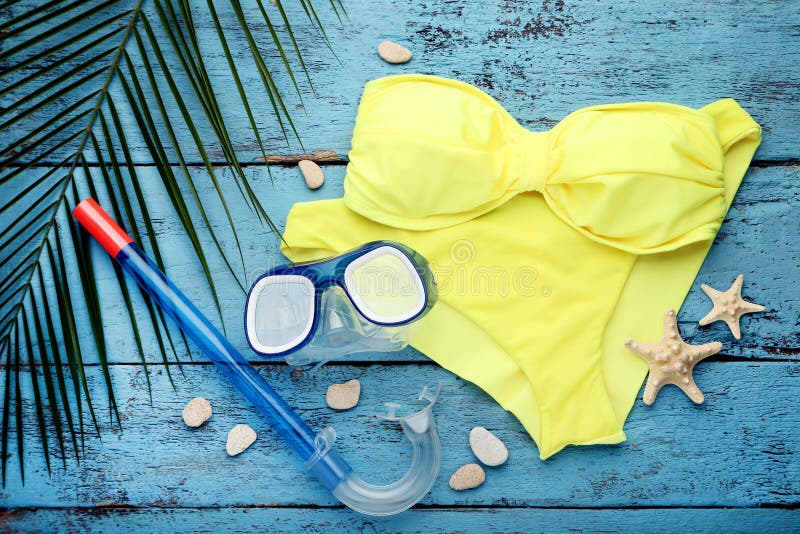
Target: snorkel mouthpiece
[420,429]
[316,449]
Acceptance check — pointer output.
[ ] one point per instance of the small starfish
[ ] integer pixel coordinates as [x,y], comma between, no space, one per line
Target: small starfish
[729,306]
[672,361]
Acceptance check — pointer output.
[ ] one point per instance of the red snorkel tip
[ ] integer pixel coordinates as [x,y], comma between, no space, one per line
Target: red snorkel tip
[102,227]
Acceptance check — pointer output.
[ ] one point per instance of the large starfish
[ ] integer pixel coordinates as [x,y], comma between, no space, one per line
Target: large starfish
[672,361]
[729,306]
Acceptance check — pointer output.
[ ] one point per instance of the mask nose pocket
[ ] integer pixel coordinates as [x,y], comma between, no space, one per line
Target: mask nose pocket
[340,324]
[341,330]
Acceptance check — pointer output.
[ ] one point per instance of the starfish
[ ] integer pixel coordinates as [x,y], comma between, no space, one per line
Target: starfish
[672,361]
[729,306]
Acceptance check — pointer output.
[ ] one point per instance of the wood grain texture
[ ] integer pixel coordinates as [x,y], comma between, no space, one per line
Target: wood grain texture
[727,465]
[758,239]
[540,59]
[734,450]
[444,520]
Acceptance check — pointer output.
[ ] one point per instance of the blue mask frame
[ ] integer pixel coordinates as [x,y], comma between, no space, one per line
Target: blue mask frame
[323,274]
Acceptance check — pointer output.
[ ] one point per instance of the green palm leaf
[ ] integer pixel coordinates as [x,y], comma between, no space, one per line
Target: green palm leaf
[64,136]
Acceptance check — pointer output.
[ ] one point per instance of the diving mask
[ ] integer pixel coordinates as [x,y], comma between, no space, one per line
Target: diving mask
[362,300]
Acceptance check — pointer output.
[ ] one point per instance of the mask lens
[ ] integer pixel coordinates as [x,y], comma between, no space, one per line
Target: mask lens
[385,286]
[281,312]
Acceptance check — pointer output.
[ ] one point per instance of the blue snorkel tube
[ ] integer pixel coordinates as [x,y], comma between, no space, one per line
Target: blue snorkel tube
[316,449]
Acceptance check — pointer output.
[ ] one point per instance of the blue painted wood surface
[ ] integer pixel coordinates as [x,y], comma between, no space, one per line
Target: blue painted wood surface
[684,467]
[322,521]
[734,450]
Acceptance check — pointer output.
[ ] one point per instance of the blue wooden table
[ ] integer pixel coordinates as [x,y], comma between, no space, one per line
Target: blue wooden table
[726,465]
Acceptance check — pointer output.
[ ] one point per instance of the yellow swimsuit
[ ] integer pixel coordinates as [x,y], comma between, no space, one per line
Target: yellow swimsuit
[550,248]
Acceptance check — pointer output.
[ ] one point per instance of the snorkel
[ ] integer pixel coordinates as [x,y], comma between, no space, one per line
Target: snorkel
[315,449]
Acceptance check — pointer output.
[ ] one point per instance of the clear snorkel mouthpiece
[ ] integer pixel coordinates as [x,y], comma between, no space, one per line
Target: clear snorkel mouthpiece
[371,499]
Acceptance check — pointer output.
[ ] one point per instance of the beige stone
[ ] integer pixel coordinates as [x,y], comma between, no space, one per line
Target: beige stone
[343,396]
[487,447]
[312,173]
[240,438]
[197,412]
[392,52]
[467,477]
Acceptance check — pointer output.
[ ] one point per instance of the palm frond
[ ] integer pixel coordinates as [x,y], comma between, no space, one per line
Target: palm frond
[73,73]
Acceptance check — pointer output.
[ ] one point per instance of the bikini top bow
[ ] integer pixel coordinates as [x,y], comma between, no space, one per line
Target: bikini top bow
[429,152]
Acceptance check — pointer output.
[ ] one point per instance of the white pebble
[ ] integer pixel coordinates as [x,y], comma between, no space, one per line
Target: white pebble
[197,412]
[343,396]
[487,447]
[467,477]
[392,52]
[312,173]
[239,438]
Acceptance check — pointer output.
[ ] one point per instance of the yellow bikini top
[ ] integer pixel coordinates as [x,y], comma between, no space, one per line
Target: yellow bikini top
[550,249]
[429,152]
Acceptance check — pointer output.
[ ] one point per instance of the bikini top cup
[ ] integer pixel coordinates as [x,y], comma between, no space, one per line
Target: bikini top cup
[430,152]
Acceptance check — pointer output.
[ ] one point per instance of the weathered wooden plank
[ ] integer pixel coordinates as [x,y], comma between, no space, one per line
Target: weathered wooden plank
[758,239]
[415,520]
[734,450]
[541,60]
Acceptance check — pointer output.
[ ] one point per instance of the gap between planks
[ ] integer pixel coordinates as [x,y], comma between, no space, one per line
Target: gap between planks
[368,363]
[111,508]
[334,160]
